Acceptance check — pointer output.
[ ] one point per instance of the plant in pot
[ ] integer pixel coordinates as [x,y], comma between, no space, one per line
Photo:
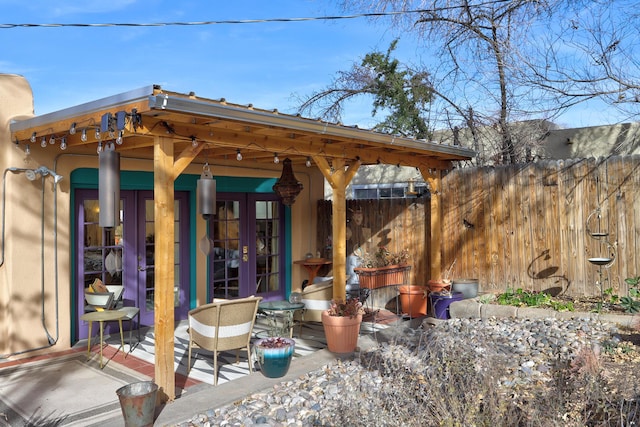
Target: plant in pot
[444,284]
[274,355]
[383,268]
[341,323]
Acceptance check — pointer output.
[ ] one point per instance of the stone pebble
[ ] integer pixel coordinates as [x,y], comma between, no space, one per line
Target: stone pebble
[529,348]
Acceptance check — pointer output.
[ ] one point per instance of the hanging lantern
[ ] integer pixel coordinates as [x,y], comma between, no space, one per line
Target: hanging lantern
[206,194]
[109,188]
[287,187]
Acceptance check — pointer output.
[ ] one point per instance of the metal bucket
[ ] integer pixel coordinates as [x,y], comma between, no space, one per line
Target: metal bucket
[469,287]
[138,403]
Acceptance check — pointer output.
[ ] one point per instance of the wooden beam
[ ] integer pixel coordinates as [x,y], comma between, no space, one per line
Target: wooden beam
[185,158]
[164,215]
[339,177]
[339,230]
[433,178]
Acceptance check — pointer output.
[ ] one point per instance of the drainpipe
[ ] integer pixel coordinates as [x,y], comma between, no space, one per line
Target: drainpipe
[43,173]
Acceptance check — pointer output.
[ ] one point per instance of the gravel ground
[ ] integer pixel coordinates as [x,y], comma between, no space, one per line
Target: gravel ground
[527,348]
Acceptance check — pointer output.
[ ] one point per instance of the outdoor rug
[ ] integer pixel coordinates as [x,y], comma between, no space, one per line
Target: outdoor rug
[309,338]
[65,391]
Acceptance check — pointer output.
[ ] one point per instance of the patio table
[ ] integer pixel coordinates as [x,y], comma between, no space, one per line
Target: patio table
[101,317]
[286,309]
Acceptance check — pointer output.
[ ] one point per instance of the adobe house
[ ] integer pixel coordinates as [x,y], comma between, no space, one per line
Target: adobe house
[168,256]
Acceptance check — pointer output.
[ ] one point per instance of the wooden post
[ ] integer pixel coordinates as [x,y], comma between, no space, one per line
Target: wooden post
[163,187]
[434,180]
[338,177]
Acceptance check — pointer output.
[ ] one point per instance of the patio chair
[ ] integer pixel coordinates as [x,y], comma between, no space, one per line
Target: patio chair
[98,300]
[316,298]
[222,326]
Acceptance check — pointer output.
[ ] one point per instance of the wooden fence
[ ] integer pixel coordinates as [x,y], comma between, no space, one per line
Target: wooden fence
[393,223]
[536,226]
[520,226]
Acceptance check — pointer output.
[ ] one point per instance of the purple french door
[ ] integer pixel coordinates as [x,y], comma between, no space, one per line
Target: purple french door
[247,255]
[124,255]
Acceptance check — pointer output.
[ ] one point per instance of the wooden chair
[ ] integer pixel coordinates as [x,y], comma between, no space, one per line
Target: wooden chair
[222,326]
[316,299]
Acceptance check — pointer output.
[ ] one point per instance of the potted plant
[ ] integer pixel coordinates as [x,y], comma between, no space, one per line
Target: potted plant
[444,284]
[274,355]
[341,324]
[383,268]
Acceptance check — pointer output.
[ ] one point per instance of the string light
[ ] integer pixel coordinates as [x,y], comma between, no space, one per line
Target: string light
[194,142]
[43,143]
[238,155]
[276,160]
[72,129]
[119,138]
[99,146]
[83,137]
[33,137]
[308,162]
[98,136]
[63,143]
[52,140]
[27,150]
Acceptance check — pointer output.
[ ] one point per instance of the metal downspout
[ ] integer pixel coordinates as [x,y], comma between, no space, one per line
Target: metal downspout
[51,340]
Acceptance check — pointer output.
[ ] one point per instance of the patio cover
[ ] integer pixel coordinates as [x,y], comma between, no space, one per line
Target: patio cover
[176,129]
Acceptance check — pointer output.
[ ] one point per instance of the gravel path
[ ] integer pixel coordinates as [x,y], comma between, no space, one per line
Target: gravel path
[528,348]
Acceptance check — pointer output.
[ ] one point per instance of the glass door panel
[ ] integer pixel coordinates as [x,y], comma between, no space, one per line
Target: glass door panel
[226,249]
[146,265]
[267,249]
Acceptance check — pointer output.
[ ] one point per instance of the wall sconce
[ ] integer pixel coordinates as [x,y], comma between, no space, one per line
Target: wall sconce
[287,187]
[206,193]
[109,187]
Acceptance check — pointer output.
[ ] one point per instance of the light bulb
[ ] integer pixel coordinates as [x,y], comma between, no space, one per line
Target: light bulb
[27,150]
[194,142]
[276,160]
[98,136]
[72,129]
[238,155]
[119,138]
[52,140]
[63,143]
[33,137]
[83,137]
[43,143]
[99,147]
[308,162]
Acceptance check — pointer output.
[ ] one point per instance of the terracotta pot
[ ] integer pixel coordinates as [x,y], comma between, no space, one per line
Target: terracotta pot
[341,332]
[413,300]
[439,285]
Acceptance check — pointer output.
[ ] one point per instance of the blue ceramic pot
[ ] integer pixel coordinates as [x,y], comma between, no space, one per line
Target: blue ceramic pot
[274,362]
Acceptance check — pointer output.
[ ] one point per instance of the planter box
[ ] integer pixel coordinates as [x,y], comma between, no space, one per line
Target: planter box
[374,278]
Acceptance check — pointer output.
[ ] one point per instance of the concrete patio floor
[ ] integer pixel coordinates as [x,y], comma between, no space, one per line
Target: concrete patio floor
[69,389]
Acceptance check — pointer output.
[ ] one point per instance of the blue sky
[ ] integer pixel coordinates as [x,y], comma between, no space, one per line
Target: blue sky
[264,64]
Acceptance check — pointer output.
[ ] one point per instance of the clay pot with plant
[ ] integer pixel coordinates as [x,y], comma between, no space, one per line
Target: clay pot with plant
[341,323]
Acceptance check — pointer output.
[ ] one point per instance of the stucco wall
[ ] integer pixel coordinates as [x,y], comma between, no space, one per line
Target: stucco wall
[21,277]
[596,141]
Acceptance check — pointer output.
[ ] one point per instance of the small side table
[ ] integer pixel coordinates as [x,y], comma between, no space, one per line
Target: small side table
[101,317]
[313,265]
[287,309]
